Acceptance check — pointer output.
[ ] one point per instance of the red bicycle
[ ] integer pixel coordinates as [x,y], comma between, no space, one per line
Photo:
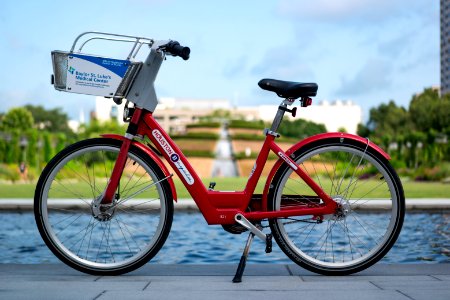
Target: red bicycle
[105,205]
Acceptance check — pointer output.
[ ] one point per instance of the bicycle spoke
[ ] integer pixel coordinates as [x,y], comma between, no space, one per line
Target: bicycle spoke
[78,196]
[134,172]
[71,216]
[331,180]
[120,236]
[141,191]
[126,193]
[345,238]
[91,227]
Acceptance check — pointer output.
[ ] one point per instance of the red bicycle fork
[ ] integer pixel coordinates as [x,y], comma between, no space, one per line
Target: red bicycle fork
[121,159]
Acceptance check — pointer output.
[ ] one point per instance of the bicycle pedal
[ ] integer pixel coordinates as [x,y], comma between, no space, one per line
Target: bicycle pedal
[268,243]
[234,228]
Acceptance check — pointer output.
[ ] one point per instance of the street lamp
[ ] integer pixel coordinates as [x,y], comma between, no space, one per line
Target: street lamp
[23,143]
[39,147]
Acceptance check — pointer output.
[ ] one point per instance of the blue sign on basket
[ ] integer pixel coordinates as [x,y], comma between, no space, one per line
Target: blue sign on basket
[94,75]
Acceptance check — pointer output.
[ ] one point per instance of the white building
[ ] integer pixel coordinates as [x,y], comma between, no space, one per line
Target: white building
[106,109]
[336,115]
[174,114]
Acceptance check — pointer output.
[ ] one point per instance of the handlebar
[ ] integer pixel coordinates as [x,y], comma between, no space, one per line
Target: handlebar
[174,48]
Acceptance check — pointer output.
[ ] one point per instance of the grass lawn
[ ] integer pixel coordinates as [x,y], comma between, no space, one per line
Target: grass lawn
[412,189]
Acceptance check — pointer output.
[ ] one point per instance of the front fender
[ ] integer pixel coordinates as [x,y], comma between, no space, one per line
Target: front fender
[312,139]
[152,155]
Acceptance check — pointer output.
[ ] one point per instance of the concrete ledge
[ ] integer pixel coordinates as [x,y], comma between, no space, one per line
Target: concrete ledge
[189,204]
[260,281]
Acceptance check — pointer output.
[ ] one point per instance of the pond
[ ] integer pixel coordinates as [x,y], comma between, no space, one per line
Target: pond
[425,238]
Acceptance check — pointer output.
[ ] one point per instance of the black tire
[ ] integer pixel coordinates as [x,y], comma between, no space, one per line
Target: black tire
[112,242]
[362,231]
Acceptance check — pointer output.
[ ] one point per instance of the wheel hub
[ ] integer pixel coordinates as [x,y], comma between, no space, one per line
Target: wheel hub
[343,208]
[102,212]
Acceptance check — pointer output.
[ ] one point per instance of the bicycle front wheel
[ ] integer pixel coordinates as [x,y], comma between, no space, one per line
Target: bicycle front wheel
[102,240]
[366,224]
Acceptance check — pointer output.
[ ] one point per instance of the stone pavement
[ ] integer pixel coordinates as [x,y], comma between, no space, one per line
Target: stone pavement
[260,281]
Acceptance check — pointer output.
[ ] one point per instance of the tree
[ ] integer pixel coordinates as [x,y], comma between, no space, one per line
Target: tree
[48,147]
[300,128]
[431,116]
[96,128]
[32,148]
[363,130]
[428,111]
[53,120]
[12,153]
[17,119]
[389,120]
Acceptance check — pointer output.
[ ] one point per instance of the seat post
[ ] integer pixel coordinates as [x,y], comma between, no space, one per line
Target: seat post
[278,117]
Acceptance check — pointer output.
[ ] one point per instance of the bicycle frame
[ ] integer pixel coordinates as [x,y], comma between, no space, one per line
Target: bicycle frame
[218,207]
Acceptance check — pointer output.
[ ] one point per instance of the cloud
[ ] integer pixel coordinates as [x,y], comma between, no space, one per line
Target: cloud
[283,63]
[374,75]
[45,95]
[236,67]
[349,11]
[397,45]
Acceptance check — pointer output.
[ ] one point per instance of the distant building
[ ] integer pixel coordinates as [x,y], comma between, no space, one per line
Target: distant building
[335,116]
[192,104]
[445,47]
[174,114]
[106,109]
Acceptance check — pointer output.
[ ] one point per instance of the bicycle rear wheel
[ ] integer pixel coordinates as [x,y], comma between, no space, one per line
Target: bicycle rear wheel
[96,240]
[362,230]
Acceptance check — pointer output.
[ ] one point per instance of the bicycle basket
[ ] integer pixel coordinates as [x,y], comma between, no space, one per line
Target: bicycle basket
[93,75]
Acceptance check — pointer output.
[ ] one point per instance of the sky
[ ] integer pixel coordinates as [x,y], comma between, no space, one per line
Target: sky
[367,51]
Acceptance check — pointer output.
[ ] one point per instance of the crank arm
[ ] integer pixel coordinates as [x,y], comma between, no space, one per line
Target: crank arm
[253,229]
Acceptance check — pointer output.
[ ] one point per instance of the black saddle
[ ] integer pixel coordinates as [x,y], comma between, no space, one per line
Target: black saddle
[288,89]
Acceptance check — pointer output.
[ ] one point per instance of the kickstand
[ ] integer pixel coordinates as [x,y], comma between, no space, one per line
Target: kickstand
[240,270]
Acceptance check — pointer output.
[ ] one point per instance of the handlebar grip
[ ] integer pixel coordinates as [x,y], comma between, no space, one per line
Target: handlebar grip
[176,49]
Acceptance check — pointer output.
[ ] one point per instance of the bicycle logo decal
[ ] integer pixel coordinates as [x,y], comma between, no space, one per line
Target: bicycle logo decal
[287,160]
[175,158]
[253,170]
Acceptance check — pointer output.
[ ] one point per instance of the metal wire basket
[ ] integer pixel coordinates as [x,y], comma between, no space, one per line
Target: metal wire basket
[75,72]
[61,65]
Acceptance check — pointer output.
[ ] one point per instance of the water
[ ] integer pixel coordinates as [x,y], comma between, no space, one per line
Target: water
[425,238]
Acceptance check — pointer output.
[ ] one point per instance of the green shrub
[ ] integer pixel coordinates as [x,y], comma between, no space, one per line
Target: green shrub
[199,153]
[246,124]
[197,136]
[248,137]
[261,137]
[9,172]
[398,164]
[436,173]
[204,125]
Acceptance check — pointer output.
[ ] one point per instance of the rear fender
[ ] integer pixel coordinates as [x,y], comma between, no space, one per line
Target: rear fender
[153,156]
[312,139]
